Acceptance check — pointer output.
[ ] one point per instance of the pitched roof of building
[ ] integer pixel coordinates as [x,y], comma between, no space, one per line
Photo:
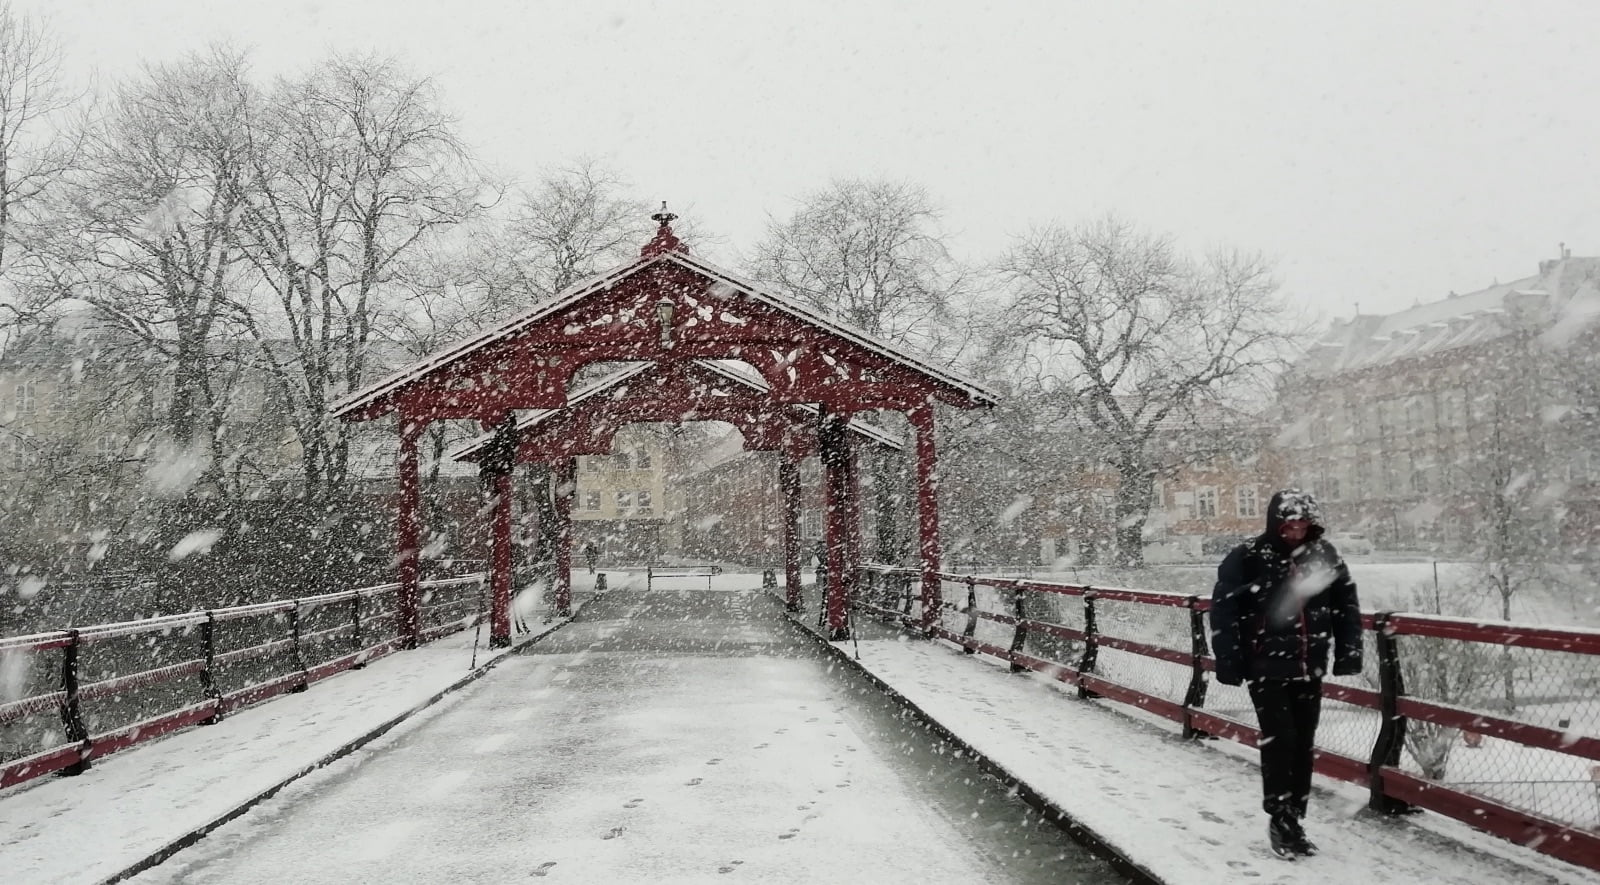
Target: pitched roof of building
[1560,292]
[581,290]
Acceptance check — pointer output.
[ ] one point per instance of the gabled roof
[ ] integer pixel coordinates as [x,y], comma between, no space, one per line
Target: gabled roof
[1458,321]
[734,371]
[579,291]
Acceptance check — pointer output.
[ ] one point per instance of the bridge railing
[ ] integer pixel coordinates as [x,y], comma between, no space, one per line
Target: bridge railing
[68,696]
[1496,725]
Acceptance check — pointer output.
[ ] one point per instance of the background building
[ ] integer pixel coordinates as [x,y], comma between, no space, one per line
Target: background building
[1439,426]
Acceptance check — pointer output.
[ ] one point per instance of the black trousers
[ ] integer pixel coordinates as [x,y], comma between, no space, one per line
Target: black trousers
[1287,711]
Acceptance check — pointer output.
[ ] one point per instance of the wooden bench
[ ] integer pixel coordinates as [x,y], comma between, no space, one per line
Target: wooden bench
[680,571]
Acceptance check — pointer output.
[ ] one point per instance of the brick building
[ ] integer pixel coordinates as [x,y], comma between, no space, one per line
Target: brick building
[1418,426]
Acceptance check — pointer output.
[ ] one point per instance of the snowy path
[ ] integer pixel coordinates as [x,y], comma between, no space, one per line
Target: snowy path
[670,737]
[130,805]
[1188,812]
[695,740]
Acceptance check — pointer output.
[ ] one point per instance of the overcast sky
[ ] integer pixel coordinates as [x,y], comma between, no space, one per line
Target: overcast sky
[1382,152]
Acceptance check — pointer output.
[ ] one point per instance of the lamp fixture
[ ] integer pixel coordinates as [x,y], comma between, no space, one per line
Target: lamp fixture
[664,309]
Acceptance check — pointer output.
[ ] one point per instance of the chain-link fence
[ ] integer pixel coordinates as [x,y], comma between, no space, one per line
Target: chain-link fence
[70,695]
[1479,715]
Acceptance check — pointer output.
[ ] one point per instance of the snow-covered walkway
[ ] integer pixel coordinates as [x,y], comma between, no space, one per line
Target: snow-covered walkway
[1186,811]
[134,804]
[640,746]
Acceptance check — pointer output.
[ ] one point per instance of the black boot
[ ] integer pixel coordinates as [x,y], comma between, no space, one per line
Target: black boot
[1299,843]
[1281,832]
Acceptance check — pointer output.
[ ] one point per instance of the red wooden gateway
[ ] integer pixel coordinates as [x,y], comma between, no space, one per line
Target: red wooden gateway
[718,348]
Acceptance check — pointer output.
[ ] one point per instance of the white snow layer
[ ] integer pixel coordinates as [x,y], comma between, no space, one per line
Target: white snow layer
[422,803]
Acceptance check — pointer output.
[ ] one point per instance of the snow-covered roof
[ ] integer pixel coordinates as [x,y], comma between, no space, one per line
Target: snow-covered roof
[1453,322]
[585,288]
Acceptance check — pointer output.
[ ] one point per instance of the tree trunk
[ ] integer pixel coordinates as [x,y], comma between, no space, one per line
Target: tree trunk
[889,497]
[1135,484]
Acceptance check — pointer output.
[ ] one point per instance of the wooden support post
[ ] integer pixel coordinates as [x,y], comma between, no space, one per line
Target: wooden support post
[565,488]
[928,513]
[789,487]
[830,445]
[409,532]
[500,565]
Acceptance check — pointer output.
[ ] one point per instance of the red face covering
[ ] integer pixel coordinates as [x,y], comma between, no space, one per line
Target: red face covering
[1294,531]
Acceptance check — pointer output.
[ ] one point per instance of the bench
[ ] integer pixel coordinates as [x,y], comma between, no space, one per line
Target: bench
[652,572]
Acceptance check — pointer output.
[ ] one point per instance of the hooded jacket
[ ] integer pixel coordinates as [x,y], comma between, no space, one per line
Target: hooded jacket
[1276,609]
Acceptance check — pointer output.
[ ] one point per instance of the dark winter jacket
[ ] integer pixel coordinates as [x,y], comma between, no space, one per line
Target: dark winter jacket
[1274,609]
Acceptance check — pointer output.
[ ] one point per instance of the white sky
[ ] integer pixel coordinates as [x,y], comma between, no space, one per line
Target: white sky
[1384,152]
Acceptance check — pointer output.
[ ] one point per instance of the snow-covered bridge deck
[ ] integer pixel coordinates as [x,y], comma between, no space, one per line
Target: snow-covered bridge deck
[687,736]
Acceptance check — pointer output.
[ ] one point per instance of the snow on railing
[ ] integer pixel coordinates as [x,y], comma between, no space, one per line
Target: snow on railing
[109,686]
[1493,724]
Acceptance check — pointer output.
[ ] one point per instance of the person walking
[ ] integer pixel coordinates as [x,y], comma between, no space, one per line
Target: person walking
[1280,601]
[591,555]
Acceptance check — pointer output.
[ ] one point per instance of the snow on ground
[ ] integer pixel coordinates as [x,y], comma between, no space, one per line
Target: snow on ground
[706,757]
[649,746]
[130,804]
[1187,811]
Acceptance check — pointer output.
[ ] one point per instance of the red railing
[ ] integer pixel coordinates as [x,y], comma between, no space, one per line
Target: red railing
[1513,709]
[95,690]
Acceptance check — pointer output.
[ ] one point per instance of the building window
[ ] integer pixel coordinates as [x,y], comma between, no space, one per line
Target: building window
[1417,418]
[1248,503]
[26,396]
[624,502]
[1185,501]
[1453,408]
[16,451]
[644,504]
[1205,501]
[591,500]
[641,459]
[1331,490]
[1107,504]
[591,464]
[622,459]
[108,448]
[811,524]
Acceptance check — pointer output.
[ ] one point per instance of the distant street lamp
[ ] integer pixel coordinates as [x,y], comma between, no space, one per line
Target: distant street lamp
[664,315]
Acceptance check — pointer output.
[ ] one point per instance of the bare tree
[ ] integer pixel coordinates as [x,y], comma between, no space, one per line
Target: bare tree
[870,253]
[150,239]
[1129,338]
[355,167]
[1443,671]
[35,152]
[577,221]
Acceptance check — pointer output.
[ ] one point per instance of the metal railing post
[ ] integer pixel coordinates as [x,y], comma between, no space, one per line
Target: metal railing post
[71,708]
[1091,643]
[971,629]
[1392,726]
[208,674]
[906,583]
[360,640]
[299,653]
[1195,698]
[1019,635]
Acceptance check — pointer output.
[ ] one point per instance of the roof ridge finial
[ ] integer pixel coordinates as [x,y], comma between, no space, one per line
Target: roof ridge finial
[664,240]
